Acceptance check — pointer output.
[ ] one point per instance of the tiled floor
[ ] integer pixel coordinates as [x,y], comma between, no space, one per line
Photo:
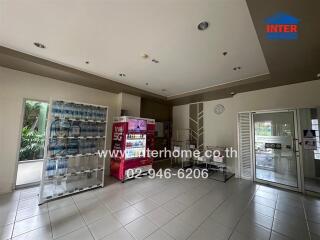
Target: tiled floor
[164,210]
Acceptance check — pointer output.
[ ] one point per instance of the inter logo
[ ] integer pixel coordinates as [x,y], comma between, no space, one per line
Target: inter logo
[282,26]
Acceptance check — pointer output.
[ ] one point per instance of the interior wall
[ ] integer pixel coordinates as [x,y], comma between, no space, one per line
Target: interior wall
[130,103]
[222,129]
[161,112]
[180,122]
[15,86]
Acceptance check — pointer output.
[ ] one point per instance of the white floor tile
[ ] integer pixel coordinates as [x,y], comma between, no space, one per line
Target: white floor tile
[159,235]
[30,224]
[31,212]
[92,210]
[43,233]
[65,220]
[174,206]
[160,216]
[127,215]
[121,234]
[178,230]
[211,230]
[141,228]
[80,234]
[28,203]
[7,217]
[145,206]
[104,226]
[116,204]
[60,203]
[6,232]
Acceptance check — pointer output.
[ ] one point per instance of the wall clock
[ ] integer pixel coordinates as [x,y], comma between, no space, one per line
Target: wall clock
[219,109]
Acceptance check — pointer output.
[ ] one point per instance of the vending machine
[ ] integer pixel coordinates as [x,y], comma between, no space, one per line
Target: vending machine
[131,139]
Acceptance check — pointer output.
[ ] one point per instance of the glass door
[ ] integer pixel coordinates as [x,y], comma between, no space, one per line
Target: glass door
[310,145]
[32,143]
[275,149]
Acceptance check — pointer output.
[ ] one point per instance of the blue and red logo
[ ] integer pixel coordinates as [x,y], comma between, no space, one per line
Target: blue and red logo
[282,26]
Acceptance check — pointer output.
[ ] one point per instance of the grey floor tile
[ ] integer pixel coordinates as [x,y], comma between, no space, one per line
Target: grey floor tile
[277,236]
[104,226]
[160,216]
[82,233]
[65,220]
[6,232]
[159,235]
[179,230]
[43,233]
[293,231]
[253,230]
[211,230]
[30,224]
[127,215]
[141,228]
[121,234]
[145,206]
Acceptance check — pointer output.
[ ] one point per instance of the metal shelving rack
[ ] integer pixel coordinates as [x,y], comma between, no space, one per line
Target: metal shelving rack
[76,132]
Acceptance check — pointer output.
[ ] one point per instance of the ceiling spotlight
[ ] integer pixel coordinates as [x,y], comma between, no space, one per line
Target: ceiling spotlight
[236,68]
[225,53]
[39,45]
[232,93]
[87,62]
[203,26]
[155,61]
[122,74]
[147,84]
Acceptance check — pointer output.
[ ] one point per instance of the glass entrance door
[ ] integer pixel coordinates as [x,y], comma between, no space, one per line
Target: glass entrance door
[275,148]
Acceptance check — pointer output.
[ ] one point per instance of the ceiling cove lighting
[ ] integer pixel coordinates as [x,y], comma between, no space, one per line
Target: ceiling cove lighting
[203,25]
[39,45]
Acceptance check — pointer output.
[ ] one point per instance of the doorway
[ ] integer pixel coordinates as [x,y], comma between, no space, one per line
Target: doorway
[275,144]
[32,139]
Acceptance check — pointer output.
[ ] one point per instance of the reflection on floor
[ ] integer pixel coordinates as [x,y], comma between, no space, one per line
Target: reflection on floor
[29,172]
[312,185]
[272,176]
[170,209]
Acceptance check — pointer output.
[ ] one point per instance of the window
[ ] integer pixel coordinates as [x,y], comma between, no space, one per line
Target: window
[315,126]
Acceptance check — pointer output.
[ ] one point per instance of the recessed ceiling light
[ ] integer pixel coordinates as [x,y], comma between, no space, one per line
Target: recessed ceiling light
[203,25]
[147,83]
[144,55]
[155,61]
[232,93]
[39,45]
[122,74]
[87,62]
[163,90]
[225,53]
[236,68]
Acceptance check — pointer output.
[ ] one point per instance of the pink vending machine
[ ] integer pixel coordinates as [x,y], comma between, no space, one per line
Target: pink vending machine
[131,137]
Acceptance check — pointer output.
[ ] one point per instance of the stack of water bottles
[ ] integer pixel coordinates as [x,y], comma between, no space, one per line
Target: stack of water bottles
[62,109]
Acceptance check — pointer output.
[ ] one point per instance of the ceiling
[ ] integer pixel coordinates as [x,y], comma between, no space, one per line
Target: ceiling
[113,34]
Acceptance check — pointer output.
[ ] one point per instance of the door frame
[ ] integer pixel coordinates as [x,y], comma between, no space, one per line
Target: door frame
[298,154]
[23,105]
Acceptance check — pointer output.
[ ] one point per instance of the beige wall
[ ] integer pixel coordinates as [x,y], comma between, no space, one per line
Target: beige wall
[130,103]
[222,129]
[14,87]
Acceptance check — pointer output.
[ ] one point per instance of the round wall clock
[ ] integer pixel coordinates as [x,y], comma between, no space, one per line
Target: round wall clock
[219,109]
